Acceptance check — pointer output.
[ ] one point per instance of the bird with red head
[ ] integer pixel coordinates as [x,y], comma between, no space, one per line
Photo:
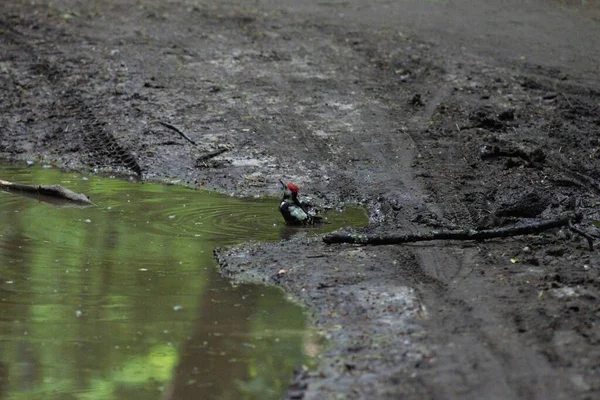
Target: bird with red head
[293,211]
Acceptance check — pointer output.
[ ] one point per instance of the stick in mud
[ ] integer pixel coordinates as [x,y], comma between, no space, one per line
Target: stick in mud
[202,159]
[174,128]
[536,227]
[587,236]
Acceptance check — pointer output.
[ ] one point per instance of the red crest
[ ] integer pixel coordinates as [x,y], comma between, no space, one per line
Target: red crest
[292,187]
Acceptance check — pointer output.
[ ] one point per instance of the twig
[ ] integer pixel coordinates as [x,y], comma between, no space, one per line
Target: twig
[165,124]
[566,167]
[578,231]
[202,159]
[568,101]
[450,235]
[594,184]
[564,181]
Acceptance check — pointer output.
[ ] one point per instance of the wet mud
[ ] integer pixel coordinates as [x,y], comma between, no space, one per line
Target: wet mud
[426,125]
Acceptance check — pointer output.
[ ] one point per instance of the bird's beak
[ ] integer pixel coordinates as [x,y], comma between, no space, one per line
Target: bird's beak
[283,186]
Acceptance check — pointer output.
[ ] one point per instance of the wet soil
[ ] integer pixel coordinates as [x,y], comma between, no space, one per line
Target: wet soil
[430,114]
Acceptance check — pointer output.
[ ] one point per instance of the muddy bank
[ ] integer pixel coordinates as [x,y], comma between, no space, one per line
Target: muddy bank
[424,130]
[370,313]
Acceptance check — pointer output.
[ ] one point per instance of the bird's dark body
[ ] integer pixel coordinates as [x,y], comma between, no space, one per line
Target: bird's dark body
[295,212]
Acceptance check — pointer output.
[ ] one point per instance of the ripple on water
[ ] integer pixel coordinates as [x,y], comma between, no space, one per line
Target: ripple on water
[216,220]
[132,283]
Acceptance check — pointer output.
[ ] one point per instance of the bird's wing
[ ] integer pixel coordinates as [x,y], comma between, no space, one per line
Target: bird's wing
[298,213]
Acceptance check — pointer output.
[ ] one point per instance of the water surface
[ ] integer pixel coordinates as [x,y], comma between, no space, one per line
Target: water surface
[124,300]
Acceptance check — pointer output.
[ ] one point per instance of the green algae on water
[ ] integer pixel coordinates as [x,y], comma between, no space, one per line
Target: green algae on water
[124,300]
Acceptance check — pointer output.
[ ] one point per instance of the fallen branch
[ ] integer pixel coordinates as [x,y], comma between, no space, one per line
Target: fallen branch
[472,234]
[46,192]
[174,128]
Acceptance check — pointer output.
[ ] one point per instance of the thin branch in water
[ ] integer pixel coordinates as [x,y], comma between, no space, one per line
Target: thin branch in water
[54,194]
[174,128]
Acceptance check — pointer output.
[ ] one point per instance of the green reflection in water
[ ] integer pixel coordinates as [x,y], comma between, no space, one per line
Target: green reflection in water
[123,300]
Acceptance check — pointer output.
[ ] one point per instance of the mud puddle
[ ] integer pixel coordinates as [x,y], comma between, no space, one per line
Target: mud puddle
[123,300]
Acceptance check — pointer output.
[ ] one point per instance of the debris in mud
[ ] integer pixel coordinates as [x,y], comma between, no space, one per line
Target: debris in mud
[486,118]
[298,384]
[508,150]
[528,205]
[512,206]
[201,162]
[174,128]
[417,101]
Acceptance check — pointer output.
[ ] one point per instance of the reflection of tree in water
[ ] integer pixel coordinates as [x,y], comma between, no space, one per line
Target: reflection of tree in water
[87,301]
[250,352]
[104,238]
[16,313]
[3,380]
[212,360]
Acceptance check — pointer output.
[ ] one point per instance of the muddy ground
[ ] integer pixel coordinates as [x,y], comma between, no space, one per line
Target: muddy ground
[450,114]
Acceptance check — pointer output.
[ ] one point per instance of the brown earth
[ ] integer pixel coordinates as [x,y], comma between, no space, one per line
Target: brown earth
[440,114]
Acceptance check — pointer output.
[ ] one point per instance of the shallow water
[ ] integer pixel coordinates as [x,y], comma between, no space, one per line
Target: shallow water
[124,300]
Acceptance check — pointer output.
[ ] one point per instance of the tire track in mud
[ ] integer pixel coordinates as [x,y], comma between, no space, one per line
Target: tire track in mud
[470,352]
[473,358]
[478,349]
[69,122]
[104,149]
